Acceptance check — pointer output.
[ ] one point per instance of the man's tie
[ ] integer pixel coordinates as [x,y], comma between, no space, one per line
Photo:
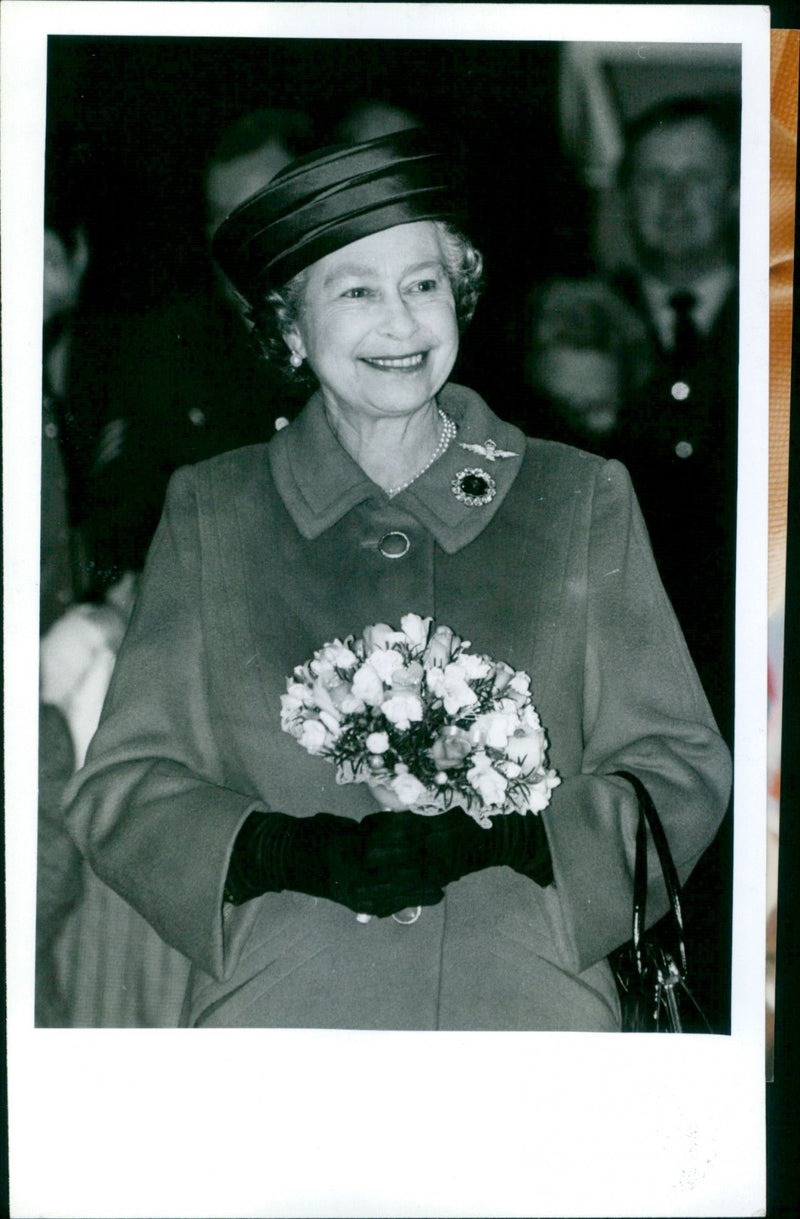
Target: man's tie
[686,334]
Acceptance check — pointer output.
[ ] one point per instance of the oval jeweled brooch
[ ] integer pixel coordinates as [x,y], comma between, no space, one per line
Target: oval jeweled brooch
[474,487]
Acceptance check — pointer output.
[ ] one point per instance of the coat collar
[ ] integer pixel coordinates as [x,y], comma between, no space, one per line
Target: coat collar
[319,482]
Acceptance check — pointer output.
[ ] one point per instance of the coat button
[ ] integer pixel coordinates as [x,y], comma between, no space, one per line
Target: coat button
[197,417]
[394,545]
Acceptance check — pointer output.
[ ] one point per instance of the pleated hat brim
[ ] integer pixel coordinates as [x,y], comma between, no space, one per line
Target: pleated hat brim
[327,200]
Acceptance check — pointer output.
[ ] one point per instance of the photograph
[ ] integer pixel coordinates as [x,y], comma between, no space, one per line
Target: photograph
[392,568]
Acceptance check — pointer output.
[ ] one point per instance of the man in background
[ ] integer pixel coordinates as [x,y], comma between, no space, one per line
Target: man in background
[186,380]
[678,435]
[679,181]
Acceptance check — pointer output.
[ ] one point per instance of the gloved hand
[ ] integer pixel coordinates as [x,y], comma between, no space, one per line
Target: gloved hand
[456,845]
[332,857]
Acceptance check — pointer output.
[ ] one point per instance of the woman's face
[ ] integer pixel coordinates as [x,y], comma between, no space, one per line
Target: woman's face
[377,322]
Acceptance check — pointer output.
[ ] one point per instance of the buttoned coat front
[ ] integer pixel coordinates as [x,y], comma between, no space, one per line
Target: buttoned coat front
[262,556]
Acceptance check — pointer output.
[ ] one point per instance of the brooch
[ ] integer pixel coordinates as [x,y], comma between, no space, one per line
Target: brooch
[489,450]
[474,487]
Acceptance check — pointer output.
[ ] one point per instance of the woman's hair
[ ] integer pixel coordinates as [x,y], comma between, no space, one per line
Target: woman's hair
[278,311]
[586,315]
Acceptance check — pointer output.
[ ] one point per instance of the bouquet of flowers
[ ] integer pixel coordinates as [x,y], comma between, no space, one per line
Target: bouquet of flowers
[423,720]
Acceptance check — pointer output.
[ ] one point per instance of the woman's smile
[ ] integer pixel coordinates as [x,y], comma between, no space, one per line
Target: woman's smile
[411,363]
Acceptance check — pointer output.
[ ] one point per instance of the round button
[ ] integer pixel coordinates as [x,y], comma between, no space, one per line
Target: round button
[680,391]
[684,448]
[280,423]
[197,417]
[51,430]
[394,545]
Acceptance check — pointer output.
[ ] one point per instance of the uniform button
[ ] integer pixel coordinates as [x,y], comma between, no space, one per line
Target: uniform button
[684,448]
[51,430]
[394,545]
[197,417]
[280,423]
[680,391]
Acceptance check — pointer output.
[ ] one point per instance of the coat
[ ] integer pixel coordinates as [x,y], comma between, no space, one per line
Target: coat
[264,554]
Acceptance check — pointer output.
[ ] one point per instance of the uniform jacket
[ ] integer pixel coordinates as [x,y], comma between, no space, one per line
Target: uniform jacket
[682,456]
[263,555]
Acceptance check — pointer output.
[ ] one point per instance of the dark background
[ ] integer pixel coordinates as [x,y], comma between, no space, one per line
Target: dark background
[148,110]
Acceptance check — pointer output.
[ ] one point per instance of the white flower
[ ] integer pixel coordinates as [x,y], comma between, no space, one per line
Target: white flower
[407,789]
[486,781]
[368,686]
[527,749]
[474,666]
[401,709]
[291,706]
[346,702]
[416,630]
[381,636]
[335,655]
[332,723]
[493,728]
[440,648]
[408,677]
[538,797]
[321,698]
[456,691]
[385,662]
[450,748]
[520,683]
[502,676]
[377,742]
[519,688]
[313,736]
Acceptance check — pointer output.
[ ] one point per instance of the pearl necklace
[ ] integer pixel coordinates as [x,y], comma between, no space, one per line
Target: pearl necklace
[445,440]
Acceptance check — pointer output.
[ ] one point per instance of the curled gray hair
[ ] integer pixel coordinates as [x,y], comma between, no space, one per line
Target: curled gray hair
[277,313]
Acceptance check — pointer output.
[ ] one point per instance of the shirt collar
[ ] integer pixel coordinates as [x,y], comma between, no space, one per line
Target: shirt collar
[319,482]
[710,291]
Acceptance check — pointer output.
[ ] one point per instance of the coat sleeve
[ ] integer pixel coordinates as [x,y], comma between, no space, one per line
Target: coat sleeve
[643,711]
[150,809]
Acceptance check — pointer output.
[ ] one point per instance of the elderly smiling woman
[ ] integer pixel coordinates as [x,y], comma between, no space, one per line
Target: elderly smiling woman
[394,498]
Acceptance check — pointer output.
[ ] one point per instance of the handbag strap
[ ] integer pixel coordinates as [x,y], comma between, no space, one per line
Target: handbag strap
[649,816]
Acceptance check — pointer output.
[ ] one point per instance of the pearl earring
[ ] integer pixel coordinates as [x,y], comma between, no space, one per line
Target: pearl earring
[295,359]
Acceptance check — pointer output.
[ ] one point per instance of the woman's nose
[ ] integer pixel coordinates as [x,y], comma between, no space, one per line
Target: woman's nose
[397,320]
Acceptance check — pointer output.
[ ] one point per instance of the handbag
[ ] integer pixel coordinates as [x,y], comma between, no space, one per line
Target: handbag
[651,970]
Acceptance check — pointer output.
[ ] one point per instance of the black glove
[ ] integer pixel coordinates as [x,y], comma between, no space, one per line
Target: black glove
[344,861]
[457,845]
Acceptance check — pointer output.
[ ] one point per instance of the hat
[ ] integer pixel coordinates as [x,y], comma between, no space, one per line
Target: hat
[327,200]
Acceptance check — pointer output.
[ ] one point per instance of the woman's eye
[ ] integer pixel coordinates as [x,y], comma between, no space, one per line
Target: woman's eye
[356,293]
[425,285]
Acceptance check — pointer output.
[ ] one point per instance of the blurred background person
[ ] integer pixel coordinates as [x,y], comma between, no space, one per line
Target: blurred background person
[679,181]
[665,243]
[185,381]
[79,641]
[66,257]
[587,355]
